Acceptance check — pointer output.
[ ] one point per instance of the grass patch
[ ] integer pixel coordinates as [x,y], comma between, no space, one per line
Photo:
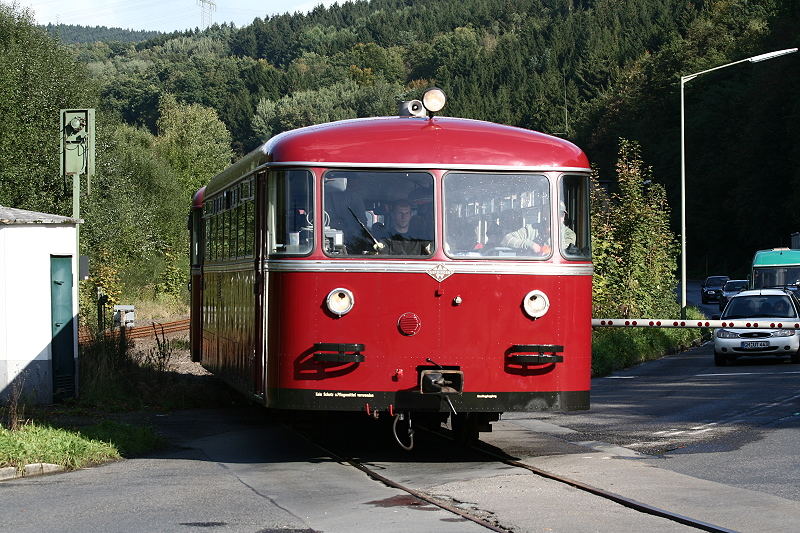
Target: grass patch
[34,443]
[116,382]
[617,348]
[74,448]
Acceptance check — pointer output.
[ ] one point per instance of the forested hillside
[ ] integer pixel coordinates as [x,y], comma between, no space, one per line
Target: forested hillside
[70,33]
[516,62]
[593,71]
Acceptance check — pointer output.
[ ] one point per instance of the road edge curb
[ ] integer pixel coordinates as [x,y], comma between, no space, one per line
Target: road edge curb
[29,470]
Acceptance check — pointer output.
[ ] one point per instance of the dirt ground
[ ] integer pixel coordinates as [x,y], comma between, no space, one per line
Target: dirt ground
[188,384]
[181,359]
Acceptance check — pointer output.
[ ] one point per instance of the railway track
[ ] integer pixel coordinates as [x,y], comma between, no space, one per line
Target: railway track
[140,332]
[492,455]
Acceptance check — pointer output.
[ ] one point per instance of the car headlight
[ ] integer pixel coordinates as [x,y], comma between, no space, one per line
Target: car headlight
[340,301]
[783,333]
[727,334]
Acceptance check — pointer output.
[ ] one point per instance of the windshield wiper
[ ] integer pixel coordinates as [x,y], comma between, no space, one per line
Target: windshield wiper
[378,245]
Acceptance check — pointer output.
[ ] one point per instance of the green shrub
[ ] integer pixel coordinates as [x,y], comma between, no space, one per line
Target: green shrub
[616,348]
[635,259]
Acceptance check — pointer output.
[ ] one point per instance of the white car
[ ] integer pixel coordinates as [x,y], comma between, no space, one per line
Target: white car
[760,305]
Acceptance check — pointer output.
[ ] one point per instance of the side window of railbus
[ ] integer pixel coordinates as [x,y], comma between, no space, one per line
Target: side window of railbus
[495,216]
[229,221]
[290,212]
[377,213]
[573,217]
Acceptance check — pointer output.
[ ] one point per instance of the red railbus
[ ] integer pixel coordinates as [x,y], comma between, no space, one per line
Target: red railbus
[397,265]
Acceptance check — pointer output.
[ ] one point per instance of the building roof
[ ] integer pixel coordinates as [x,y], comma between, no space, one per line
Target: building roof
[11,216]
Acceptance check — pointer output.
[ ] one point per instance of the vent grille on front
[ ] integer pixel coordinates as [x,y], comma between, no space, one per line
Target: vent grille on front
[409,324]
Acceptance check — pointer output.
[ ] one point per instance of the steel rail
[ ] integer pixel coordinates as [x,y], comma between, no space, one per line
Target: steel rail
[341,458]
[602,493]
[140,331]
[482,448]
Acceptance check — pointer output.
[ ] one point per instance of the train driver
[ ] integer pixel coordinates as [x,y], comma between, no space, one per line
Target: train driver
[397,235]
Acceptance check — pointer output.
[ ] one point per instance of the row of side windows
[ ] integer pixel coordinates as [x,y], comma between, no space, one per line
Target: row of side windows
[230,220]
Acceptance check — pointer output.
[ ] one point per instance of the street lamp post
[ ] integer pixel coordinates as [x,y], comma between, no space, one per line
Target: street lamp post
[684,79]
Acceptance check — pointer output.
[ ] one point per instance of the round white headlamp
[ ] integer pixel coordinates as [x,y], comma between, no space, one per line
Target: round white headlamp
[340,301]
[434,99]
[536,304]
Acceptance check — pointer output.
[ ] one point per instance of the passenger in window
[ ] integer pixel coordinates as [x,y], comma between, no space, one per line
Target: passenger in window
[494,237]
[568,237]
[530,237]
[397,237]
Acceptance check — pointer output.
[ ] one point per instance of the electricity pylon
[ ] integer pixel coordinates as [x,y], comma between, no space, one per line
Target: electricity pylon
[206,7]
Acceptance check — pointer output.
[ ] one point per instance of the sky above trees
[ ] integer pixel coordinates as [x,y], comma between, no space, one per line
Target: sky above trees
[157,15]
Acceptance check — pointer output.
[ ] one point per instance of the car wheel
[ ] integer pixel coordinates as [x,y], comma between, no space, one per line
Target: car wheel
[703,300]
[796,358]
[720,359]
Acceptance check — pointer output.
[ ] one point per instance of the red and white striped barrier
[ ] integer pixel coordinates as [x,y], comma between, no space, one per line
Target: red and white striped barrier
[672,323]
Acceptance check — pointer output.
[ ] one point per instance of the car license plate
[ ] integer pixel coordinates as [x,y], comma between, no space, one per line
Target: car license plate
[754,344]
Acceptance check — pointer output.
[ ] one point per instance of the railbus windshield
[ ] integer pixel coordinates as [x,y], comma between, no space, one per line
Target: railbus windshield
[378,213]
[511,216]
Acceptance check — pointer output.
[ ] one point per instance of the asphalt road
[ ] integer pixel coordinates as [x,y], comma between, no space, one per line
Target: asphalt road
[718,444]
[231,470]
[738,425]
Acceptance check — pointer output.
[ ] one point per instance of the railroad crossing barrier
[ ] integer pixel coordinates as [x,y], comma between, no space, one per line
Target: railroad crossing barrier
[673,323]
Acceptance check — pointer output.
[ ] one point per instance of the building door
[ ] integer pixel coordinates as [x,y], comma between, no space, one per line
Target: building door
[63,327]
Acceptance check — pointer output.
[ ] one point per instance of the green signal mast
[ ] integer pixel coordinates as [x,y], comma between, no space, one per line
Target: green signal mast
[77,151]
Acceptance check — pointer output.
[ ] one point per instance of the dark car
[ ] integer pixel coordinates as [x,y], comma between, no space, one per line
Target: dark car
[711,289]
[731,287]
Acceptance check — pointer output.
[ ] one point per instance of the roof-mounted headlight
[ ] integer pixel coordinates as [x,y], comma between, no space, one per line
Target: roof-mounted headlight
[434,99]
[340,301]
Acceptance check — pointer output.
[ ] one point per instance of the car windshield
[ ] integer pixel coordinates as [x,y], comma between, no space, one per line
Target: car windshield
[757,306]
[735,285]
[715,281]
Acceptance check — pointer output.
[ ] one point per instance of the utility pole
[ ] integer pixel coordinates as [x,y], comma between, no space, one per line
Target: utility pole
[206,7]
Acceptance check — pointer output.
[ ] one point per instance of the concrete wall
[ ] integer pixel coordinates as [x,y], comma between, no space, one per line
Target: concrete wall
[25,314]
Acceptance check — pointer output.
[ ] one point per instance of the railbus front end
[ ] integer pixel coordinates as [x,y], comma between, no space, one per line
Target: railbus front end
[428,266]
